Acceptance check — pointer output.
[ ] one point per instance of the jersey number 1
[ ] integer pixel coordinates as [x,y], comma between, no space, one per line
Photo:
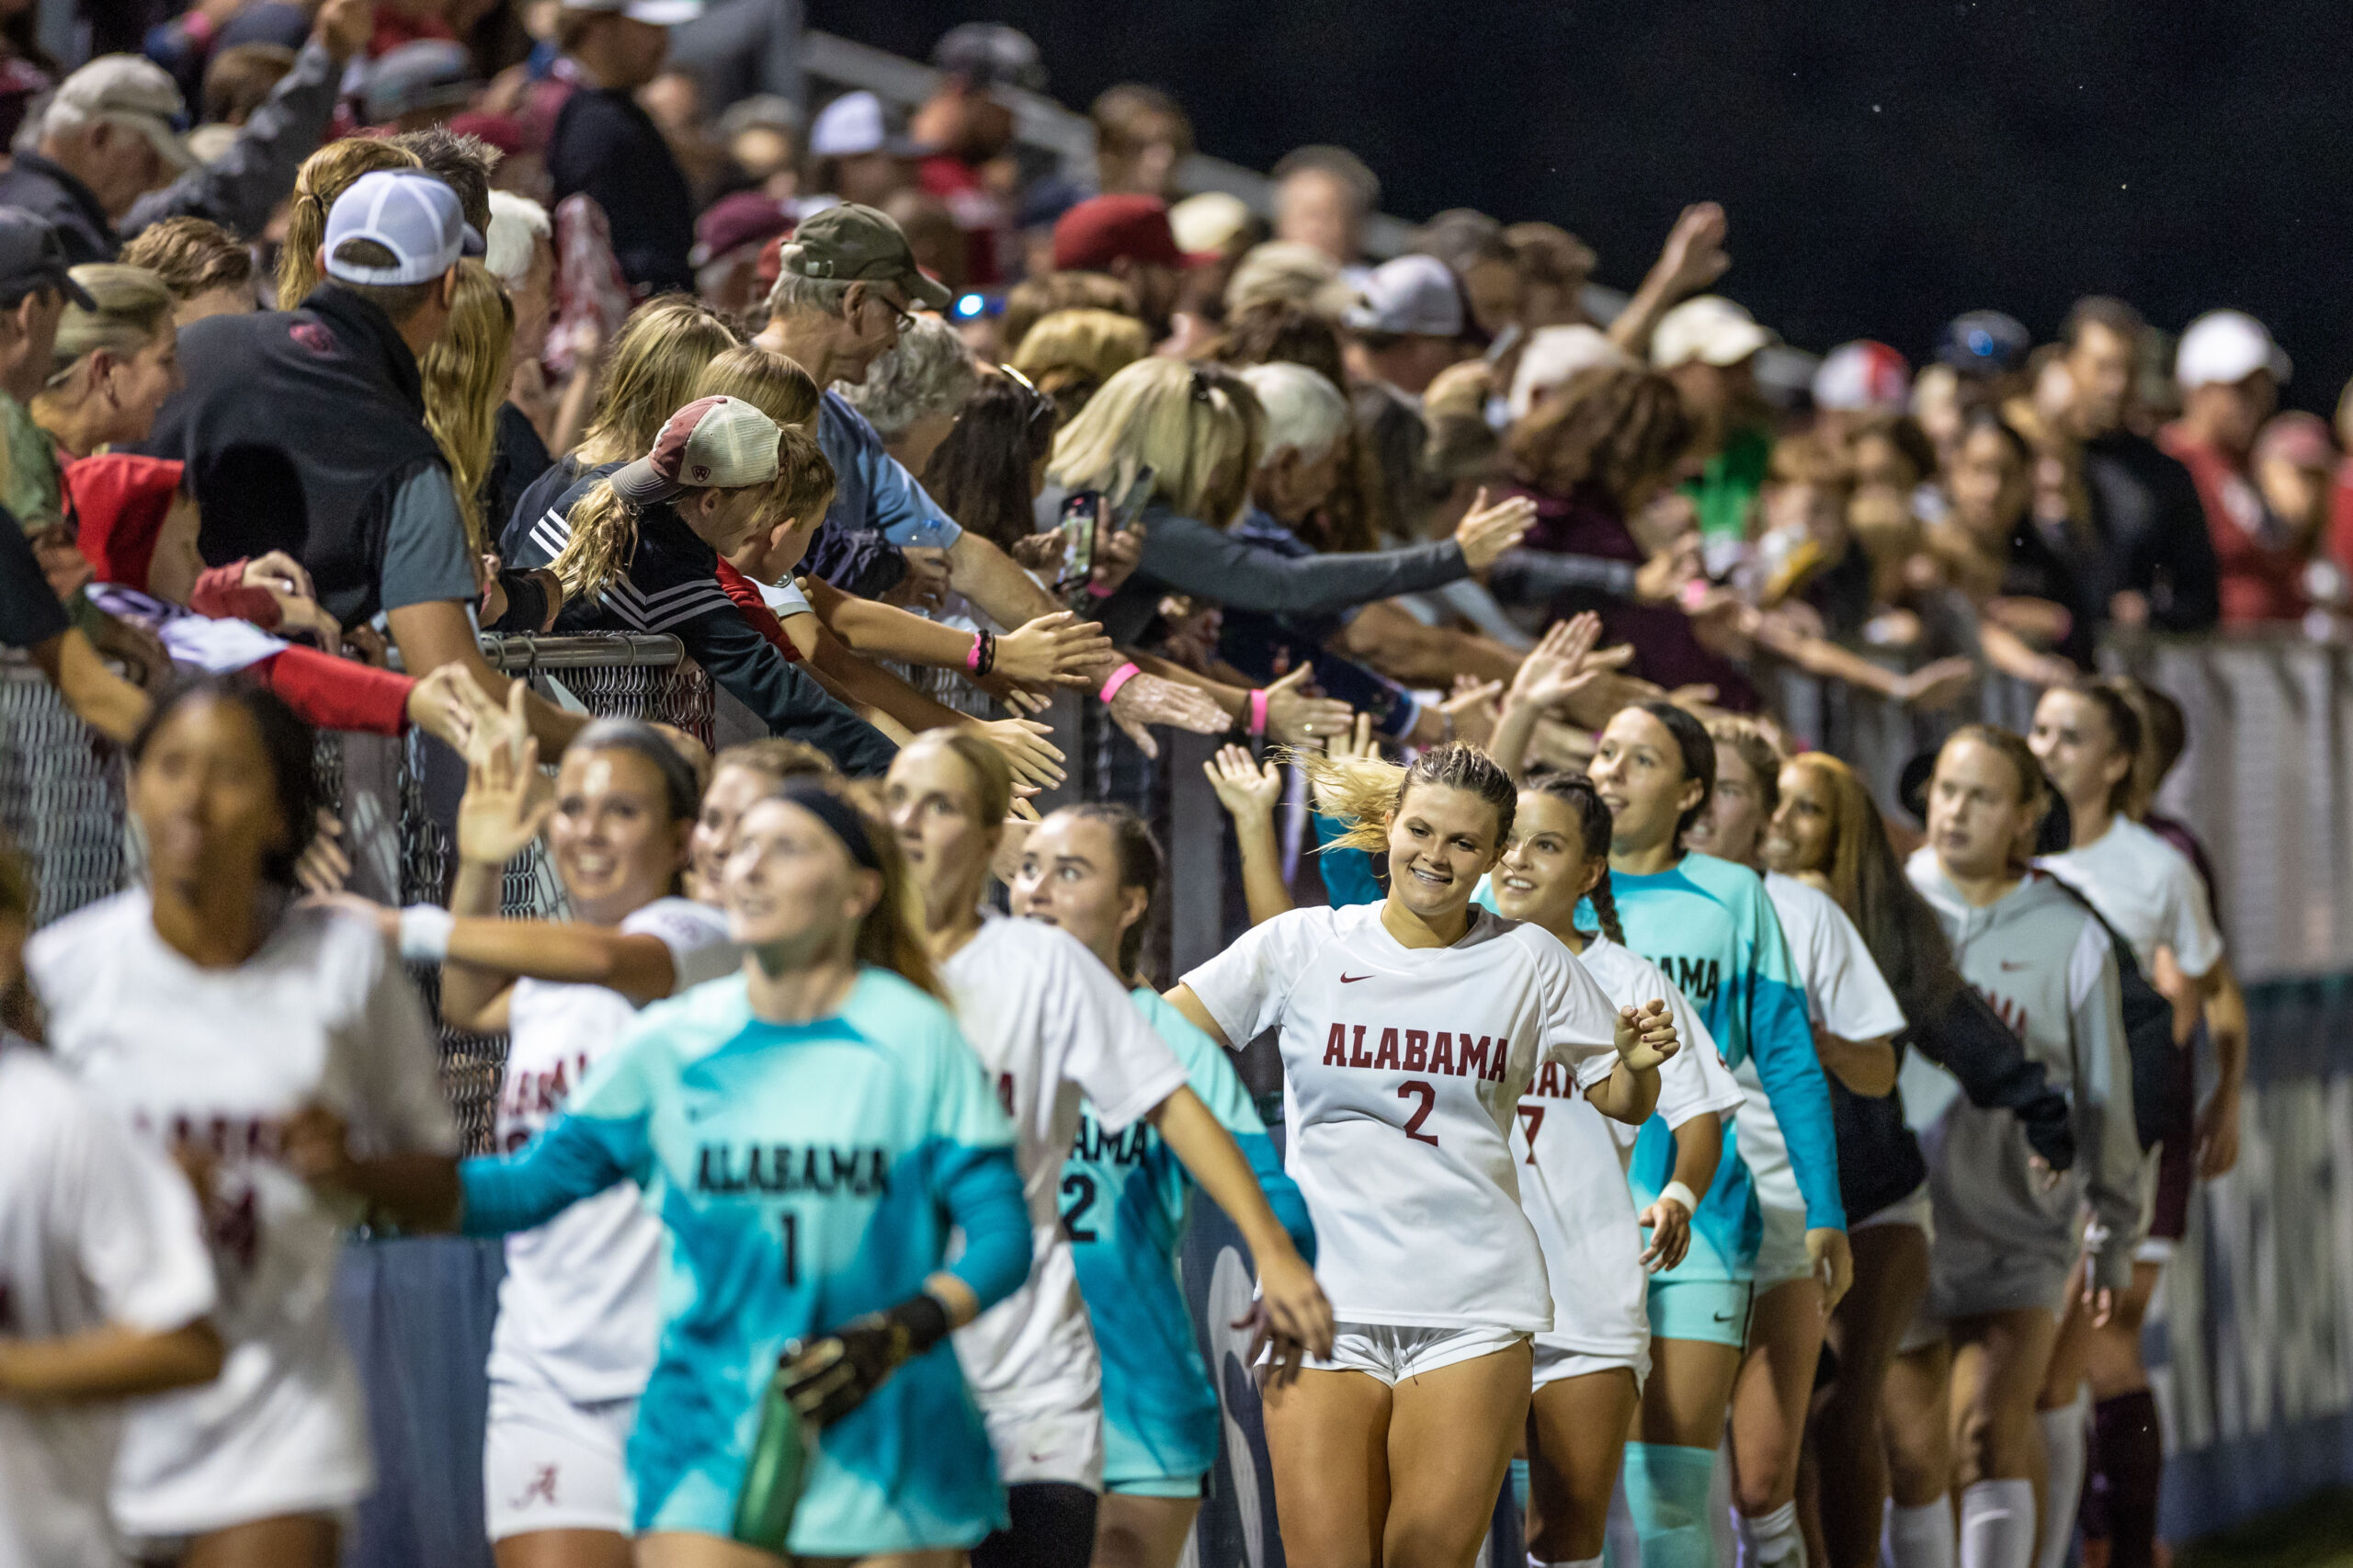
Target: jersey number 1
[792,1248]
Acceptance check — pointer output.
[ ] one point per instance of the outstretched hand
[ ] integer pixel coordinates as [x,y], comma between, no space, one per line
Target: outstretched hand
[1647,1036]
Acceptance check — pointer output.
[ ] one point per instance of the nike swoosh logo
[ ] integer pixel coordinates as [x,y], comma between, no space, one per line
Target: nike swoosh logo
[1726,1317]
[1352,979]
[2008,965]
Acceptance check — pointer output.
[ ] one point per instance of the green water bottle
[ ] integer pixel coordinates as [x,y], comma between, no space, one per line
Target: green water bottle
[779,1463]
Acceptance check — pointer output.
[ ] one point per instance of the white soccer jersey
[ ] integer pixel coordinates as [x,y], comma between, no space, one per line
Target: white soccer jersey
[1573,1168]
[322,1014]
[1845,996]
[1053,1028]
[579,1309]
[1402,1067]
[2148,890]
[95,1229]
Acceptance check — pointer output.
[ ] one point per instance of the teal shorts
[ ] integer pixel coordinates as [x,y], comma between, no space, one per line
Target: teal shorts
[1713,1312]
[1187,1487]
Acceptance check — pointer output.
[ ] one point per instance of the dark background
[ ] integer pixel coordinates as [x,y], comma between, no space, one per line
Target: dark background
[1885,165]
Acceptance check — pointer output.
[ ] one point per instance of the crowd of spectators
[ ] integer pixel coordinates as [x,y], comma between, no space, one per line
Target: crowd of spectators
[1999,509]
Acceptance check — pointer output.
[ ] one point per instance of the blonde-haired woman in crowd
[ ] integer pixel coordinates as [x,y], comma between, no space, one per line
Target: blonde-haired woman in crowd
[1070,354]
[325,174]
[112,366]
[465,380]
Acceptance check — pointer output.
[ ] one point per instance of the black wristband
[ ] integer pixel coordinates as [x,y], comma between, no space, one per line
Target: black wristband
[527,602]
[988,651]
[924,1317]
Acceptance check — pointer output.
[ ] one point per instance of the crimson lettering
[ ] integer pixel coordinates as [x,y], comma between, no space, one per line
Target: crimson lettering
[1357,1058]
[1388,1056]
[1442,1053]
[1335,1048]
[1418,1050]
[1474,1057]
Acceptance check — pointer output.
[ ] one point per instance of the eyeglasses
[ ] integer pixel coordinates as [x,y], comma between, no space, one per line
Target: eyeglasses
[901,317]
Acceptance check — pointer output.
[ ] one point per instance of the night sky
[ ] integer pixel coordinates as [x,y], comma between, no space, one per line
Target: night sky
[1885,166]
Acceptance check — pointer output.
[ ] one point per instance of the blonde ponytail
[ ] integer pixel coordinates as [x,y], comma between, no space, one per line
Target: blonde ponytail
[604,537]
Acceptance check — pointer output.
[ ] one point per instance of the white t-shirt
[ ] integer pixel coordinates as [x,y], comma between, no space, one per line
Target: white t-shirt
[579,1309]
[1573,1168]
[1053,1027]
[1845,996]
[2148,890]
[1401,1068]
[95,1229]
[322,1015]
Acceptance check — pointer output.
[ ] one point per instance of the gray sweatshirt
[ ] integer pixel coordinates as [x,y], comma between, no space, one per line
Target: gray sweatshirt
[2047,967]
[243,188]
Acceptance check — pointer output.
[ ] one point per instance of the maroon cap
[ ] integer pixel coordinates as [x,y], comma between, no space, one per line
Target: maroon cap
[1104,229]
[743,218]
[503,132]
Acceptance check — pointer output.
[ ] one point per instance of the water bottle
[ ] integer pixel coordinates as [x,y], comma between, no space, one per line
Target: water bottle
[779,1463]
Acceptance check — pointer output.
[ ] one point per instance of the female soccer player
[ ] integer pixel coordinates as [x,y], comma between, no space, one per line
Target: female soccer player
[2088,737]
[811,1132]
[741,777]
[1409,1031]
[1052,1025]
[1710,926]
[1590,1368]
[215,1014]
[1828,833]
[578,1308]
[1854,1017]
[104,1287]
[2004,1236]
[1092,871]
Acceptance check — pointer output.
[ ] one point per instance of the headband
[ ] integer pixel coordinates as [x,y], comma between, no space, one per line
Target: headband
[839,816]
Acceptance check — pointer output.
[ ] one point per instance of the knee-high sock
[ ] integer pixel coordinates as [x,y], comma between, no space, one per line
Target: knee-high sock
[2065,1435]
[2128,1457]
[1917,1537]
[1772,1539]
[1724,1514]
[1534,1561]
[1519,1489]
[1667,1488]
[1621,1544]
[1998,1525]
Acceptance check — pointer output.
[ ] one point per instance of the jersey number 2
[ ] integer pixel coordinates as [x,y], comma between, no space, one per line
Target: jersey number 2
[1415,1089]
[1083,1185]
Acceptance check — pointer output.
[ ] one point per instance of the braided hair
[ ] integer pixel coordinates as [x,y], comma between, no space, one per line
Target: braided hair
[1594,823]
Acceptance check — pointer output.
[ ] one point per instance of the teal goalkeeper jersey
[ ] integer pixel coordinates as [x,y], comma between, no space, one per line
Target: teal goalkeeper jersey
[1124,1198]
[805,1174]
[1710,928]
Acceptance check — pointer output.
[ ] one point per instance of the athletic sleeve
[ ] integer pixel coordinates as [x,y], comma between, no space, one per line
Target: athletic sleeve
[1845,990]
[1212,1078]
[137,1237]
[2106,1138]
[1245,987]
[396,1065]
[1970,1041]
[602,1135]
[1781,1041]
[1107,1049]
[696,935]
[1580,1023]
[1348,872]
[425,559]
[975,1176]
[2196,941]
[903,512]
[784,695]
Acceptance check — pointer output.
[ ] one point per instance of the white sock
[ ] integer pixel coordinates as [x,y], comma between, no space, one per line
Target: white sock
[1917,1537]
[1592,1562]
[1724,1518]
[1622,1544]
[1772,1538]
[2065,1434]
[1998,1525]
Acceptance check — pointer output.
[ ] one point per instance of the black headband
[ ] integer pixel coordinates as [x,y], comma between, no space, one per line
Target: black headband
[839,816]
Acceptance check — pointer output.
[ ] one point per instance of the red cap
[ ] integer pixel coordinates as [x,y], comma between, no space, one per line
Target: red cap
[119,501]
[1104,229]
[503,132]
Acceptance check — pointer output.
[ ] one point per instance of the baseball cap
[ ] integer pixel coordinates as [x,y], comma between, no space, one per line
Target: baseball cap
[131,91]
[413,215]
[1104,229]
[1553,355]
[990,54]
[2226,347]
[857,243]
[32,256]
[1205,224]
[660,13]
[428,73]
[1984,343]
[742,218]
[1709,329]
[855,124]
[1413,295]
[713,443]
[1862,374]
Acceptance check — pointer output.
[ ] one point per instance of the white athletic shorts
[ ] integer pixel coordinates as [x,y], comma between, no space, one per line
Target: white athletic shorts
[1049,1434]
[1393,1353]
[1556,1365]
[1780,1254]
[1914,1208]
[549,1464]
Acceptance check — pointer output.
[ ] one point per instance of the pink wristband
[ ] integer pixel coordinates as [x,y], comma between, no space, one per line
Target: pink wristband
[1257,714]
[1097,590]
[1119,678]
[973,655]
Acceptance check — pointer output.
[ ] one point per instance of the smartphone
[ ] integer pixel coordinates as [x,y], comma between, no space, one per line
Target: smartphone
[1089,519]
